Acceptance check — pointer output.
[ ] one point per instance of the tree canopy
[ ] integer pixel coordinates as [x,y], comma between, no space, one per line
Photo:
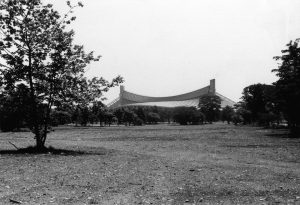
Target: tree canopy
[36,49]
[210,106]
[259,99]
[288,84]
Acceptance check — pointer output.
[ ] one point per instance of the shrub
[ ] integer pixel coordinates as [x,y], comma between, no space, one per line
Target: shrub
[153,118]
[188,115]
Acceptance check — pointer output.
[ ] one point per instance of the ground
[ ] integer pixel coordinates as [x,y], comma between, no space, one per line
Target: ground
[159,164]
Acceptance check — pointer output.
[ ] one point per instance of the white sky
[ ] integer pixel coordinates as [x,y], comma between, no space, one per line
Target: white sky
[169,47]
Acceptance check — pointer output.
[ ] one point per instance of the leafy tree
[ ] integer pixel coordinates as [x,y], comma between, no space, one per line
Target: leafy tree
[227,114]
[75,115]
[141,113]
[152,117]
[260,100]
[188,115]
[109,117]
[98,109]
[138,121]
[242,114]
[119,113]
[197,117]
[266,119]
[129,116]
[288,85]
[166,114]
[37,50]
[59,117]
[84,116]
[237,119]
[210,106]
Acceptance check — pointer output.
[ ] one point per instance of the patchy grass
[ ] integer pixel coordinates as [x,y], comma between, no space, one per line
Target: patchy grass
[163,164]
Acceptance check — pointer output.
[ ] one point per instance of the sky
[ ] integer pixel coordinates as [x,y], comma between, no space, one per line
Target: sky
[170,47]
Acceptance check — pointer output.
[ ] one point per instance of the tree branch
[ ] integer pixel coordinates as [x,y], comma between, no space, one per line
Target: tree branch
[2,65]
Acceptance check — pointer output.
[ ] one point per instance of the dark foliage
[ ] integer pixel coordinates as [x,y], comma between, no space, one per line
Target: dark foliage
[210,106]
[14,108]
[37,49]
[60,117]
[227,114]
[152,117]
[260,100]
[288,85]
[188,115]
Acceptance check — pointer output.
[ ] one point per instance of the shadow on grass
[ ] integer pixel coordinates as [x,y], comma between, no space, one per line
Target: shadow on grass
[255,146]
[280,135]
[52,151]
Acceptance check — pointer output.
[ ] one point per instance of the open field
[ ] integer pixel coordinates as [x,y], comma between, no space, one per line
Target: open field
[162,164]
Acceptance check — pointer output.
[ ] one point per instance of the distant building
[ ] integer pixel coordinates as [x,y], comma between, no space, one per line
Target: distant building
[190,99]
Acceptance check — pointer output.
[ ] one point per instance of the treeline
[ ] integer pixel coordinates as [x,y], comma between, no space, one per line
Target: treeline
[263,105]
[258,106]
[279,103]
[15,113]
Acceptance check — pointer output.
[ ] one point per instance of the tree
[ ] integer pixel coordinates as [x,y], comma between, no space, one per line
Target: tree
[129,116]
[242,114]
[109,117]
[141,113]
[188,115]
[119,113]
[84,116]
[152,118]
[37,50]
[166,114]
[59,117]
[210,106]
[75,115]
[288,85]
[197,117]
[98,109]
[227,114]
[260,100]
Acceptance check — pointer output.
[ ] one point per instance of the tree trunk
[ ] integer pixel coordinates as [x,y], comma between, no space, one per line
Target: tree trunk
[40,142]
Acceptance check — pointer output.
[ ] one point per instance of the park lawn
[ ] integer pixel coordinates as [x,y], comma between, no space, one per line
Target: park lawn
[159,164]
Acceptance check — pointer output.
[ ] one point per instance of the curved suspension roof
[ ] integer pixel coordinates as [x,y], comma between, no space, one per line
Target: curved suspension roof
[190,99]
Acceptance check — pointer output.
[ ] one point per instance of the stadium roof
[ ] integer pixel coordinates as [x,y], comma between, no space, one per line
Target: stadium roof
[190,99]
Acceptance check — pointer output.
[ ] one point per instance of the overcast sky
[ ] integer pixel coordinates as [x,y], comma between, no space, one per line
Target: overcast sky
[169,47]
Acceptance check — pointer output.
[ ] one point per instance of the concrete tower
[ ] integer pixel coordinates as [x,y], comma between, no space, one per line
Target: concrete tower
[212,86]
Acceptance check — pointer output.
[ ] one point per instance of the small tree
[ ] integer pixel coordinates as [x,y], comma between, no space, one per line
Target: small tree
[98,109]
[84,116]
[75,115]
[141,113]
[152,118]
[60,117]
[260,100]
[129,116]
[197,117]
[109,117]
[227,114]
[119,113]
[187,115]
[37,50]
[242,114]
[210,106]
[166,114]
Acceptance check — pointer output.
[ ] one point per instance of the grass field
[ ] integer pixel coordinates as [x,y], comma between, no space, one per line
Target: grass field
[162,164]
